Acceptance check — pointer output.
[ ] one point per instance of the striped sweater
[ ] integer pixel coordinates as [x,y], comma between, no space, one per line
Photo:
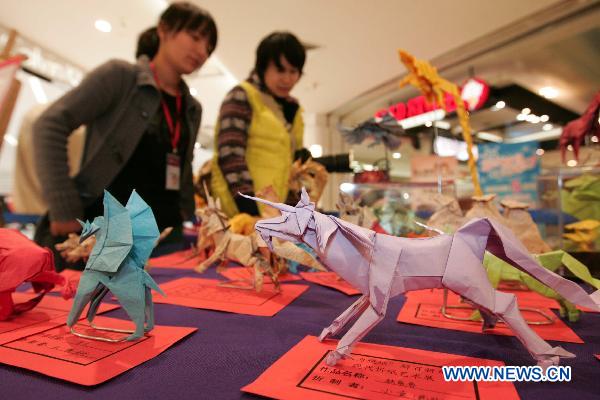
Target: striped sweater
[235,117]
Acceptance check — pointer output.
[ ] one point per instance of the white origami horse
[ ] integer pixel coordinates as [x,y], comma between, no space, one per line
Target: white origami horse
[383,266]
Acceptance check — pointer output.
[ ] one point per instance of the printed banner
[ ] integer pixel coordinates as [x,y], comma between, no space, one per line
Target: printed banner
[510,170]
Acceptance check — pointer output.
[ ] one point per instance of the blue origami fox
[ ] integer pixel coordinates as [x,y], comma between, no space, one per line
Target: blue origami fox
[125,237]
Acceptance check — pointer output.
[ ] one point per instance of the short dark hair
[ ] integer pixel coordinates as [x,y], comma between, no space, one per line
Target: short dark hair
[273,46]
[182,15]
[147,44]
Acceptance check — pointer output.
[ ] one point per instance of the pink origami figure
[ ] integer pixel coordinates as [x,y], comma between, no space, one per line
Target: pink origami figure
[21,260]
[383,266]
[575,131]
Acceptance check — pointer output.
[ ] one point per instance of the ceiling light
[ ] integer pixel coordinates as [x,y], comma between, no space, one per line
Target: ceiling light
[406,196]
[526,111]
[490,137]
[595,139]
[193,92]
[547,127]
[572,163]
[347,187]
[11,140]
[500,105]
[570,147]
[428,124]
[316,150]
[540,136]
[38,90]
[535,119]
[442,124]
[540,152]
[421,119]
[103,25]
[544,118]
[521,117]
[397,156]
[548,92]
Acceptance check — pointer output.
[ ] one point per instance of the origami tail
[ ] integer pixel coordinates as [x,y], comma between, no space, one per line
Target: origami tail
[502,243]
[151,284]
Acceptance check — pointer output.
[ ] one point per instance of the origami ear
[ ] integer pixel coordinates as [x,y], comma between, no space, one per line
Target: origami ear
[304,197]
[324,229]
[81,223]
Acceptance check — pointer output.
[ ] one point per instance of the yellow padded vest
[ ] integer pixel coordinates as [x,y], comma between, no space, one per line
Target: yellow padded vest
[269,151]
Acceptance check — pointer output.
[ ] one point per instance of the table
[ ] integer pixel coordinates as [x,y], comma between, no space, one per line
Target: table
[231,350]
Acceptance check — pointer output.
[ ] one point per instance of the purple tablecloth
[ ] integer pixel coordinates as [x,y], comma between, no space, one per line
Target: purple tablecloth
[230,350]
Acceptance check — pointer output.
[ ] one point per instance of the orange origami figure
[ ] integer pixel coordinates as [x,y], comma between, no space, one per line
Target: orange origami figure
[425,77]
[21,261]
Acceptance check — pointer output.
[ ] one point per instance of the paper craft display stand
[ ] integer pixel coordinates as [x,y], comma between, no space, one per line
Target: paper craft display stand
[547,319]
[423,307]
[50,312]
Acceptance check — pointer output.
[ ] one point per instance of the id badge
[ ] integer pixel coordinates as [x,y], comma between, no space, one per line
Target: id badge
[173,172]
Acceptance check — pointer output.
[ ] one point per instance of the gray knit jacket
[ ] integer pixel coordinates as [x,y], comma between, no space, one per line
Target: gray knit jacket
[115,102]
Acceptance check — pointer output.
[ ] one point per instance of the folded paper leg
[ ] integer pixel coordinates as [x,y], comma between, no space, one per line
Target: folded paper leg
[367,321]
[338,324]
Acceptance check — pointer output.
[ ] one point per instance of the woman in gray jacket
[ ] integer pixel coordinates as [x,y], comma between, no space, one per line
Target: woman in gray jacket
[141,124]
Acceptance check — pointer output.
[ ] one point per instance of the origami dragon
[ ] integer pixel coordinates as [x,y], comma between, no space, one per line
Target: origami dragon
[125,237]
[575,131]
[21,260]
[426,78]
[498,269]
[515,216]
[383,266]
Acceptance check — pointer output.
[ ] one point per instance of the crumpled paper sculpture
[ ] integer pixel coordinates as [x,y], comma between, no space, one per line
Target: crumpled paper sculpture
[383,266]
[248,250]
[448,217]
[523,226]
[515,216]
[351,212]
[125,237]
[21,260]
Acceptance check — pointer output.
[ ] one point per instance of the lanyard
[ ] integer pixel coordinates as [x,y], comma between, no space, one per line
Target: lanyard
[174,131]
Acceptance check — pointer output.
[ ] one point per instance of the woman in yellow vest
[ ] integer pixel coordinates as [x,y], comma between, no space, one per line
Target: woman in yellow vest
[260,127]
